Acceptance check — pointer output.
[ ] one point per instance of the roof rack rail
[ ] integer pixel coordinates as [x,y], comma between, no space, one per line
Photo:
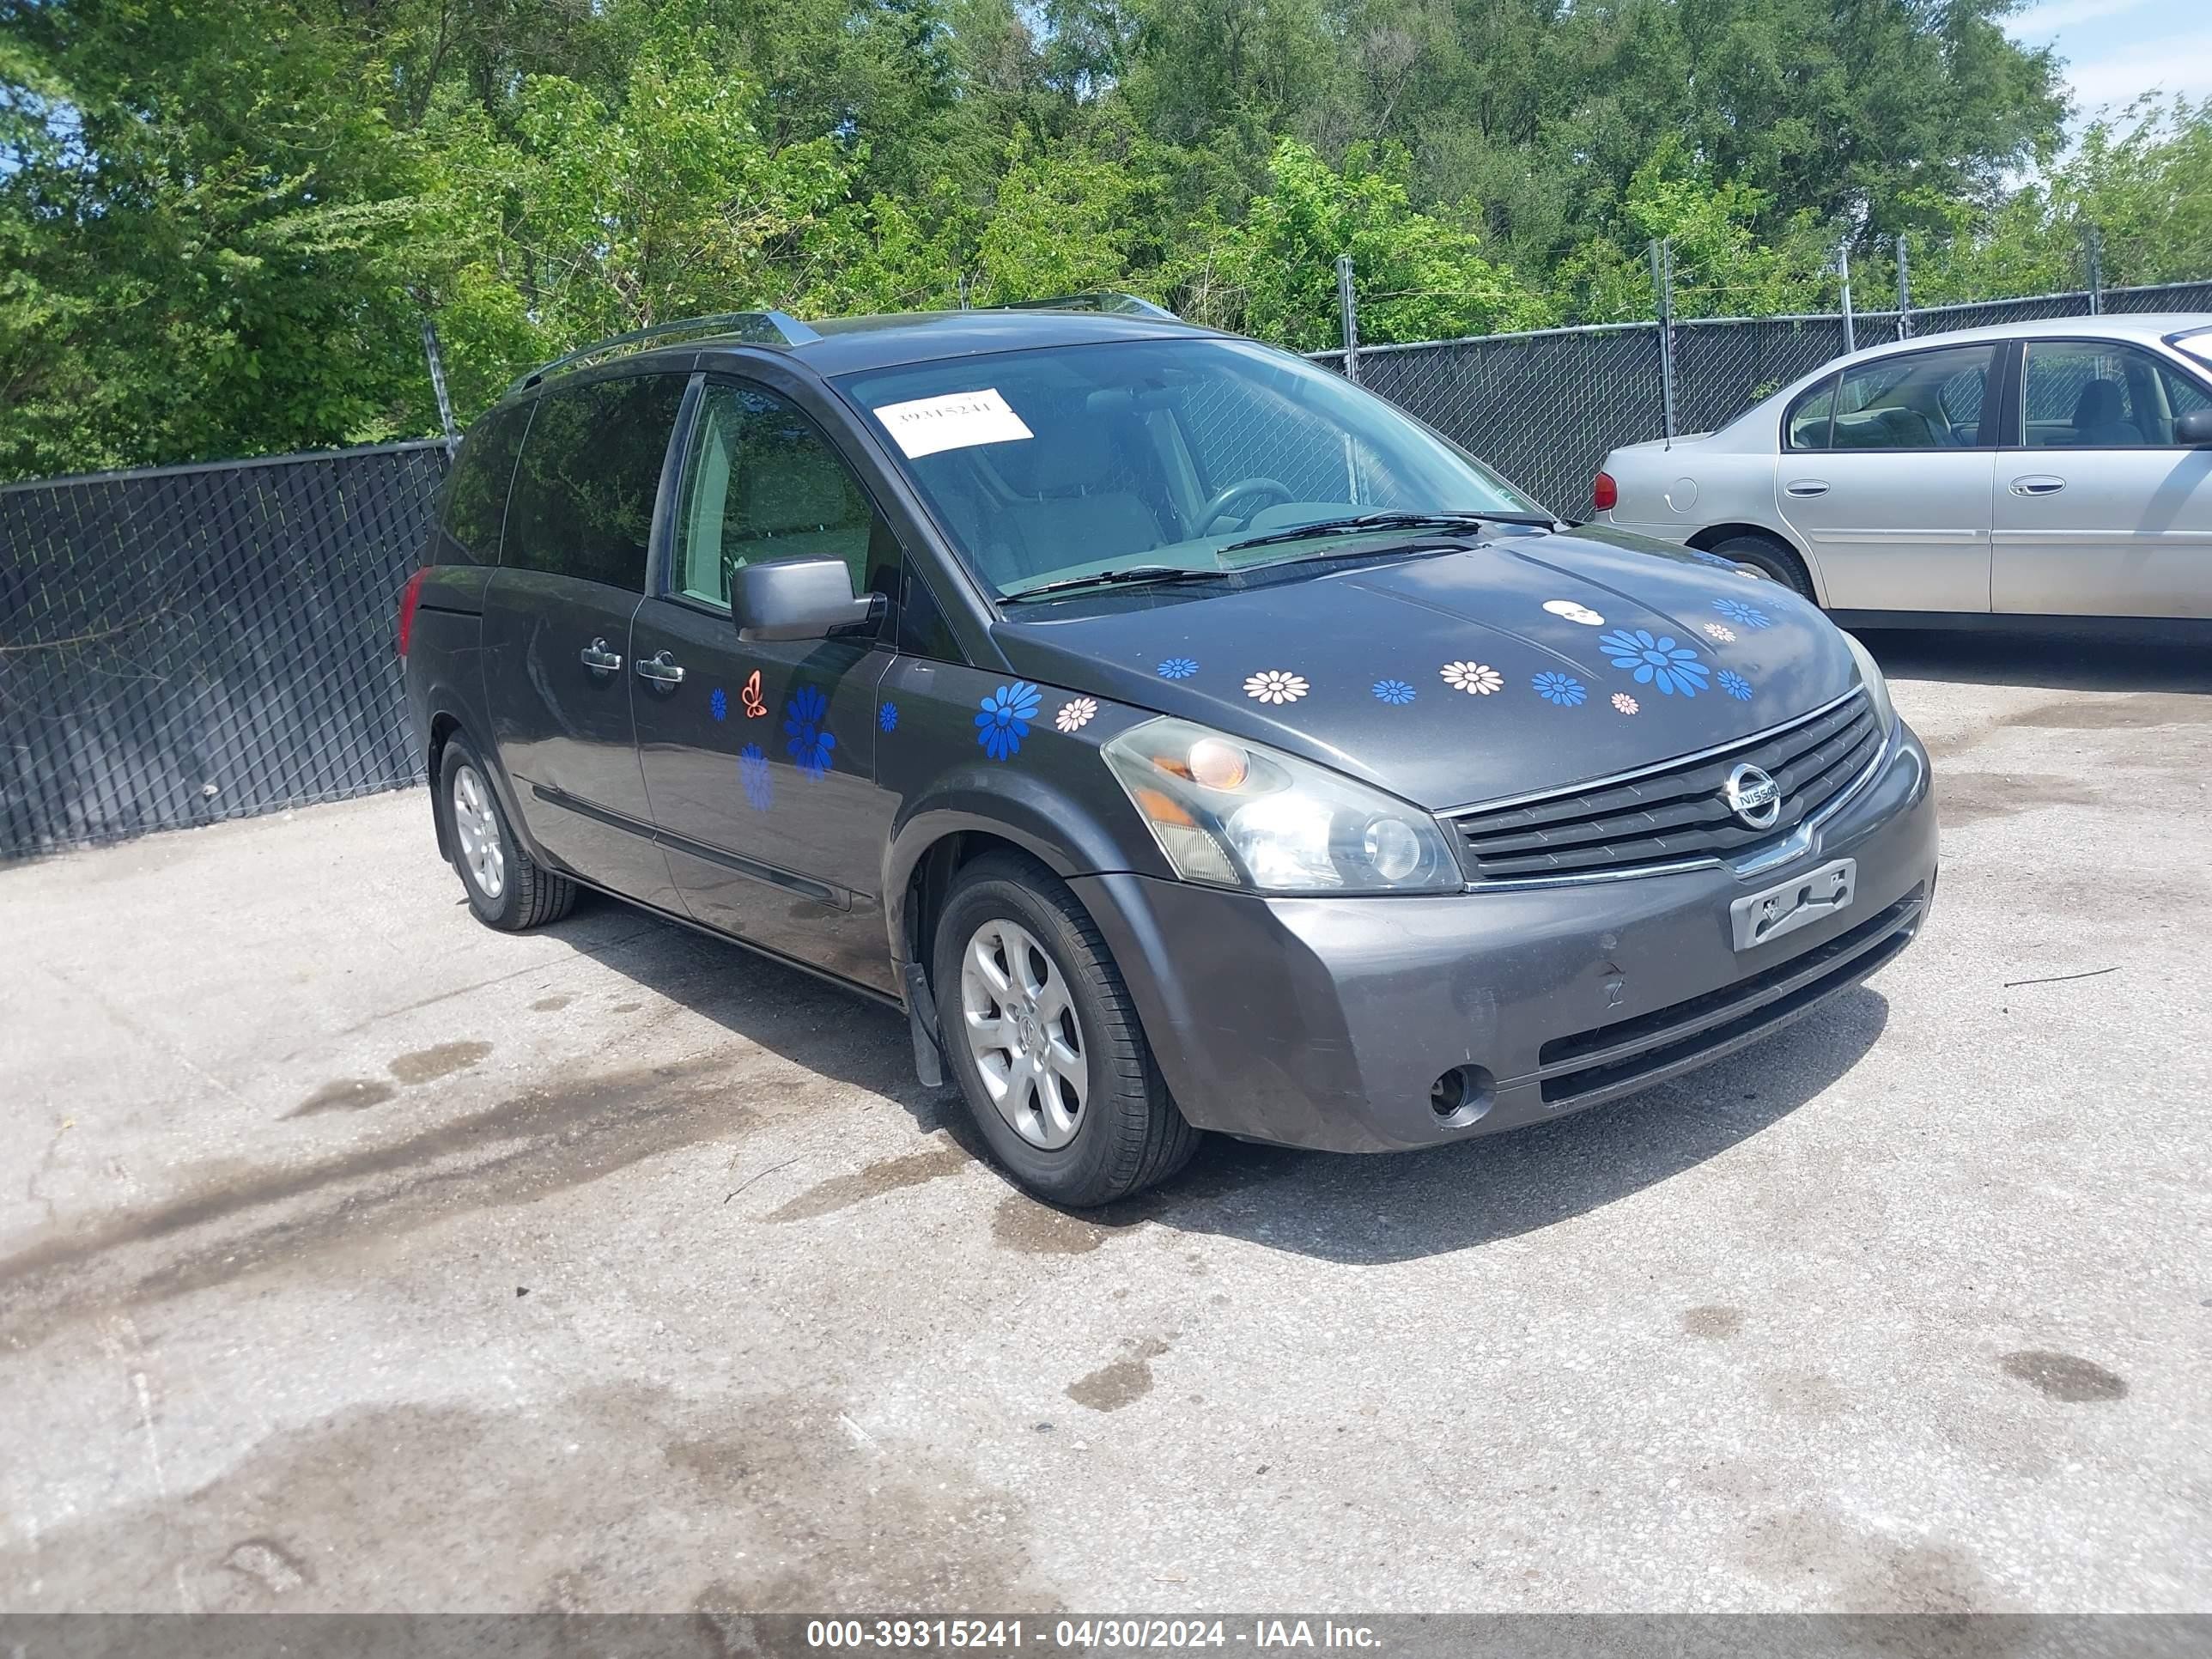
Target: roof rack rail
[754,327]
[1127,305]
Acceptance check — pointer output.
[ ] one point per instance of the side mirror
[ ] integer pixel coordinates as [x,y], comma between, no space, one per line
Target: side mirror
[798,599]
[2194,428]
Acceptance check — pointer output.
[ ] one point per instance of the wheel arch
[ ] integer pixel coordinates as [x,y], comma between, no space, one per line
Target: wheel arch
[1713,535]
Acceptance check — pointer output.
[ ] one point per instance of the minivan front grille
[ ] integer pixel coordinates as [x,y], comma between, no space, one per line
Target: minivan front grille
[1670,814]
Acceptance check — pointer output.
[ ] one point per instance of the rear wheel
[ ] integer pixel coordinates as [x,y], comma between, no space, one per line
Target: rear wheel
[1039,1029]
[1771,559]
[507,888]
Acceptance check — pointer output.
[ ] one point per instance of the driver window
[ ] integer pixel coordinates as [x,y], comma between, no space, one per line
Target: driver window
[761,484]
[2088,394]
[1925,400]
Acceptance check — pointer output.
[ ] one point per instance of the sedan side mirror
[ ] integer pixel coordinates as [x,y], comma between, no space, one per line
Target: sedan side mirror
[2194,428]
[798,599]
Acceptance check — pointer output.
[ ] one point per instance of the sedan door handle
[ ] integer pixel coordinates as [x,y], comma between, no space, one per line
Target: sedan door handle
[2038,483]
[660,670]
[1807,487]
[600,660]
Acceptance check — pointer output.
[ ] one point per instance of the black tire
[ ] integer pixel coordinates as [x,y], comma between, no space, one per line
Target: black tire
[1774,560]
[529,895]
[1128,1133]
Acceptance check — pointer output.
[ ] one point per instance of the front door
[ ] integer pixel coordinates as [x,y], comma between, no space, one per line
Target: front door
[759,757]
[2101,513]
[559,674]
[1886,477]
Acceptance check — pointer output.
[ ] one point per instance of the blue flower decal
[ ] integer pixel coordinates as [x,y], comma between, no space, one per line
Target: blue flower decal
[1704,557]
[1178,668]
[1735,684]
[1564,689]
[1737,612]
[1396,693]
[808,744]
[887,717]
[1658,662]
[1005,717]
[752,772]
[719,704]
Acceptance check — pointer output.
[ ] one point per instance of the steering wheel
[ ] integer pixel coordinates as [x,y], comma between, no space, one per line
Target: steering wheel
[1225,497]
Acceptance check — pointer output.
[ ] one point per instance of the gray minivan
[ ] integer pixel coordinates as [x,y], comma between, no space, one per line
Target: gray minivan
[1185,738]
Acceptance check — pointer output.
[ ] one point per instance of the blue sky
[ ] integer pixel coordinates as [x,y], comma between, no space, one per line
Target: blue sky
[2115,49]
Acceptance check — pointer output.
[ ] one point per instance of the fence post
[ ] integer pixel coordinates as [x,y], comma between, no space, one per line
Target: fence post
[1904,292]
[438,382]
[1663,283]
[1843,270]
[1348,311]
[2096,239]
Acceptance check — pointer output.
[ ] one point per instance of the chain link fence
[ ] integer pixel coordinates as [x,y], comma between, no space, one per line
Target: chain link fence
[1544,408]
[191,644]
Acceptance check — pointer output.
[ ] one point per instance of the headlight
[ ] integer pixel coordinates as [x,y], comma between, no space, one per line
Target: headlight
[1234,814]
[1877,687]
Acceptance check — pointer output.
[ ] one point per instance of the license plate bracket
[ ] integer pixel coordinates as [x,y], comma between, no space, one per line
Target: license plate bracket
[1784,907]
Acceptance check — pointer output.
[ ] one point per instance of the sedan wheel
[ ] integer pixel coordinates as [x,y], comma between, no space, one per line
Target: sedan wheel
[1023,1032]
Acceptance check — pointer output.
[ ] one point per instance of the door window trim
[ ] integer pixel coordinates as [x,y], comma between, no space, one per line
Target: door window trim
[2016,405]
[2003,353]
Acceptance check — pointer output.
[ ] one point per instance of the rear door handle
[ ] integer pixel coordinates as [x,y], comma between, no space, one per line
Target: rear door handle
[2038,483]
[1803,486]
[660,670]
[600,660]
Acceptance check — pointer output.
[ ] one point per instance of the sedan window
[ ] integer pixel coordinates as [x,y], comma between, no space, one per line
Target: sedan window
[1923,400]
[2099,394]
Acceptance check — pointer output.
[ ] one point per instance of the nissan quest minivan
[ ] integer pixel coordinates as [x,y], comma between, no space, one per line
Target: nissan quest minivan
[1185,738]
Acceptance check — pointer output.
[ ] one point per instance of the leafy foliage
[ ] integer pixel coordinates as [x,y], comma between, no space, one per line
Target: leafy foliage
[222,222]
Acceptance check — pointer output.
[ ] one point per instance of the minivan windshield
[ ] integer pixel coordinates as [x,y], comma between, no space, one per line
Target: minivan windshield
[1171,460]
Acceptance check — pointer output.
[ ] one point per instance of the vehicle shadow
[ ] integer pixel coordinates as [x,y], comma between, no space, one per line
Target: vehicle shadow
[2060,662]
[1352,1210]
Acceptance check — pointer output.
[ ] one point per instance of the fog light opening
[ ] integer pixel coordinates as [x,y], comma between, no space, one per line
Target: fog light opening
[1460,1096]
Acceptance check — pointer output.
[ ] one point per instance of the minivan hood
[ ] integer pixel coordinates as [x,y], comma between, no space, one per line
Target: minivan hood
[1380,653]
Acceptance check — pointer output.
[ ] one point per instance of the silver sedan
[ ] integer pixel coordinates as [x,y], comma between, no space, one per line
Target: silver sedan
[2059,468]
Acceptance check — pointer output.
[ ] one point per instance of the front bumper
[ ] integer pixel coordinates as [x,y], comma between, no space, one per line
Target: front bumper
[1324,1023]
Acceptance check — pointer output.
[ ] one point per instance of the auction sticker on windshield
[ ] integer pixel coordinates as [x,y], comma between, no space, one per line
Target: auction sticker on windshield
[959,420]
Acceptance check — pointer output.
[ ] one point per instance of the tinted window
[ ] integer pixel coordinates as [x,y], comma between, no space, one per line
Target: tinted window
[583,497]
[1807,421]
[476,494]
[761,484]
[1924,400]
[923,631]
[2084,394]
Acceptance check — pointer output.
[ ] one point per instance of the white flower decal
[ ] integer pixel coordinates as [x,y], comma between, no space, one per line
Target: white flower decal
[1627,704]
[1275,685]
[1074,716]
[1477,679]
[1574,612]
[1725,634]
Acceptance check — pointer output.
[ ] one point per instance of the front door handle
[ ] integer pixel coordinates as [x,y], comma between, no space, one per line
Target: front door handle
[1807,487]
[661,670]
[600,660]
[2038,484]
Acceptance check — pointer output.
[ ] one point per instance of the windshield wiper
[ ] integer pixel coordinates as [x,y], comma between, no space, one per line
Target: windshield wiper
[1135,572]
[1392,521]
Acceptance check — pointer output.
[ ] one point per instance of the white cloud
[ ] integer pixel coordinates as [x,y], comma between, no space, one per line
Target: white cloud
[2170,68]
[2037,21]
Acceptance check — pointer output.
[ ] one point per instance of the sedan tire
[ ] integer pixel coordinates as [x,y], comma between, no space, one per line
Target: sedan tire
[1771,559]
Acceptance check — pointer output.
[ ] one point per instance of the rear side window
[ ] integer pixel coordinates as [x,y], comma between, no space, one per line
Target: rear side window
[1810,416]
[1923,400]
[475,493]
[582,504]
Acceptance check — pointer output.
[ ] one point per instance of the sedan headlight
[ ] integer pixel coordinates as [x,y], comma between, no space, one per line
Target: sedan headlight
[1877,686]
[1235,814]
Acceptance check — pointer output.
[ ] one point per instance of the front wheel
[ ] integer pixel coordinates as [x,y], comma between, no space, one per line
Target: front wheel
[1041,1033]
